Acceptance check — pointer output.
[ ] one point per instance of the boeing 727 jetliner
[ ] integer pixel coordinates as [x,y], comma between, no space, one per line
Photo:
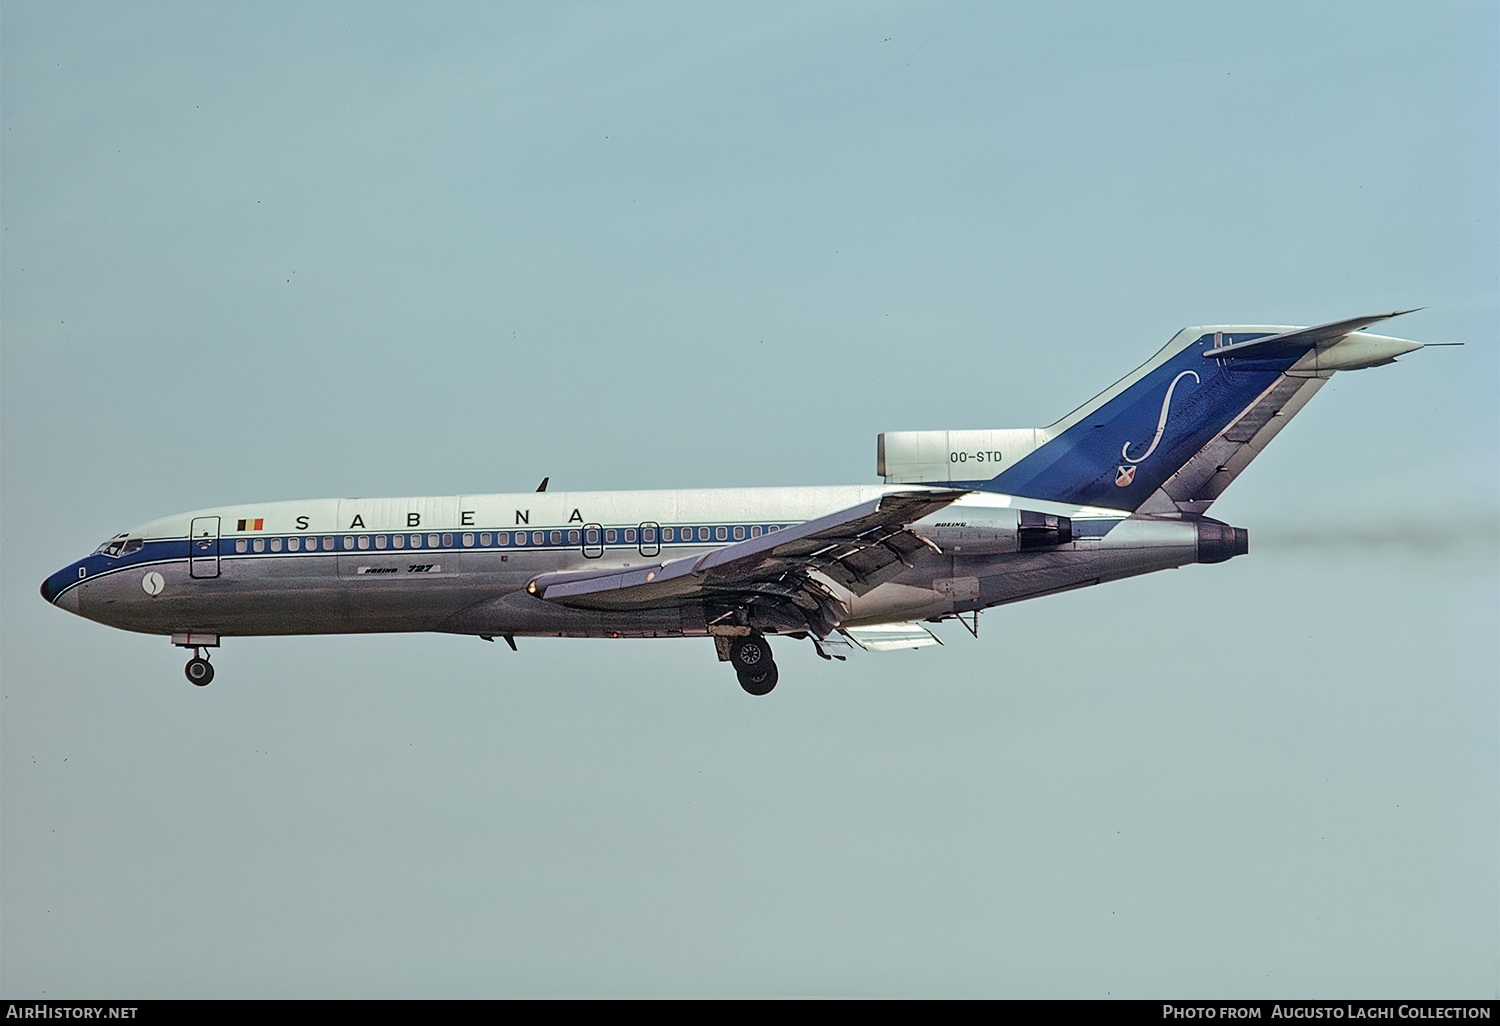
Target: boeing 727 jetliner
[965,520]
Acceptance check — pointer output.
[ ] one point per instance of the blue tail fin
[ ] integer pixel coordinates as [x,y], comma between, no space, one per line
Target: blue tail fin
[1169,437]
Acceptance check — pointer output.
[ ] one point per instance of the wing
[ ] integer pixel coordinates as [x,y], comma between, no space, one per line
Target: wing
[772,576]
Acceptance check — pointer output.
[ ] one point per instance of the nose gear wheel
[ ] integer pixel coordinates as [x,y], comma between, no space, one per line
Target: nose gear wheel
[199,671]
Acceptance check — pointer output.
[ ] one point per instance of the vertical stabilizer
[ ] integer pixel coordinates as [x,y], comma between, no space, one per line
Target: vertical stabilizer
[1170,437]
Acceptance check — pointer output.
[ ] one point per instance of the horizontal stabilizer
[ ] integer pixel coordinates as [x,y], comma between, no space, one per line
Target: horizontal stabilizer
[1300,340]
[886,637]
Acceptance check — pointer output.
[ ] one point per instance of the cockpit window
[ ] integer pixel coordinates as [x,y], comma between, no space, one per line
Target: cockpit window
[120,545]
[113,546]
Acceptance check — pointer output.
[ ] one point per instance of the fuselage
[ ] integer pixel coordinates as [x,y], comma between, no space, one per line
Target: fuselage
[462,564]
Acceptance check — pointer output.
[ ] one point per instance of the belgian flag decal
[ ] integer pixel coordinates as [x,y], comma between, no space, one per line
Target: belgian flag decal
[258,524]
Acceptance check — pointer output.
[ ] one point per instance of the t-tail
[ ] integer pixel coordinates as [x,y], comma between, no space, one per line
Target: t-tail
[1166,439]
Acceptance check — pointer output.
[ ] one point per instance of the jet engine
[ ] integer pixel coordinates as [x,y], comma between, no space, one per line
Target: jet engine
[1012,531]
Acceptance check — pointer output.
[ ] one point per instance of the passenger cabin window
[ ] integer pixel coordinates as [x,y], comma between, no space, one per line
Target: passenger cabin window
[484,539]
[259,545]
[398,541]
[240,545]
[721,533]
[293,544]
[275,544]
[432,541]
[364,541]
[755,531]
[703,534]
[380,541]
[468,539]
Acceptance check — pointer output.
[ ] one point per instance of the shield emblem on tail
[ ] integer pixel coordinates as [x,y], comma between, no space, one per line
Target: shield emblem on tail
[1124,475]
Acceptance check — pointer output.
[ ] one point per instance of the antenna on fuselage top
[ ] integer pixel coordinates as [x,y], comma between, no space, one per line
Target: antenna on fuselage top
[543,486]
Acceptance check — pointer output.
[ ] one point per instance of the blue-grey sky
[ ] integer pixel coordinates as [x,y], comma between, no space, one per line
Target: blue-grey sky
[274,251]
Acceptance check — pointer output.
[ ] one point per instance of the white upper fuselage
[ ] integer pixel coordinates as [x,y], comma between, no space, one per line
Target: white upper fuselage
[697,508]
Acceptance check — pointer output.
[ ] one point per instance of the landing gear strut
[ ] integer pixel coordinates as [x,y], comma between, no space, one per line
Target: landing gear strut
[751,657]
[198,669]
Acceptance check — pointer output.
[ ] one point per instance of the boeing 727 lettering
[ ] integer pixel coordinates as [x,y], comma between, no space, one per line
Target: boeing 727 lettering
[964,520]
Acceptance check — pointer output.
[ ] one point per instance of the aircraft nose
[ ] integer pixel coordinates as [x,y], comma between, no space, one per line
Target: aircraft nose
[55,589]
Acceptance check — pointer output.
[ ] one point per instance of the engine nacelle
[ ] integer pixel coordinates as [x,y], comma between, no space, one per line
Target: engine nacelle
[995,532]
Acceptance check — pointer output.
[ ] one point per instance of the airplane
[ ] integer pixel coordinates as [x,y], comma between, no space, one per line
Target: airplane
[964,520]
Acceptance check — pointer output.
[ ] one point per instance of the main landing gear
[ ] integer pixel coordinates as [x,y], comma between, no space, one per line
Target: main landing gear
[198,669]
[751,658]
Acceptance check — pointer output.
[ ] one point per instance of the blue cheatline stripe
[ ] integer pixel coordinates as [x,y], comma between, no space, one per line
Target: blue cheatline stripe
[161,552]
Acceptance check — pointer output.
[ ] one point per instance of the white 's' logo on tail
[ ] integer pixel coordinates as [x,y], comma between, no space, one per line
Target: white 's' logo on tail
[1161,425]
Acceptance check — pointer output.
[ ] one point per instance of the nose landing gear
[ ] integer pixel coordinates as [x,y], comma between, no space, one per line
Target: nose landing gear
[198,670]
[751,658]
